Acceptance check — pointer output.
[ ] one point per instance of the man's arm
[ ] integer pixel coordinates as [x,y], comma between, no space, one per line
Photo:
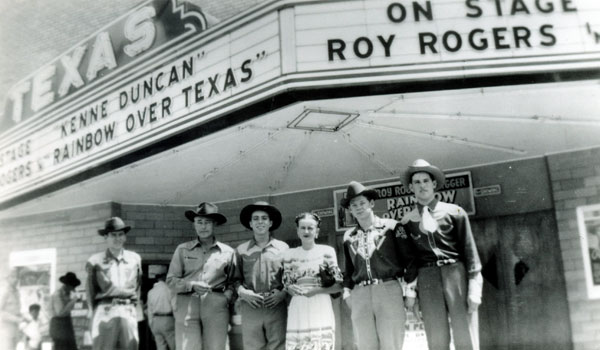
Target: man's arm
[175,274]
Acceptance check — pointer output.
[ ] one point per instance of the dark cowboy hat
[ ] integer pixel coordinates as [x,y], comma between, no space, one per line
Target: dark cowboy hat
[274,214]
[70,279]
[114,224]
[208,210]
[421,165]
[356,189]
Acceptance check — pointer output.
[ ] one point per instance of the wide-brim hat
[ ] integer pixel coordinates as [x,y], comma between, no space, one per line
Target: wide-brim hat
[274,214]
[208,210]
[114,224]
[421,165]
[70,279]
[356,189]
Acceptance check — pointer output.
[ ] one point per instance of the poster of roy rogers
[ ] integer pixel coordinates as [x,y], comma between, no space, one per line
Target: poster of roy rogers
[395,200]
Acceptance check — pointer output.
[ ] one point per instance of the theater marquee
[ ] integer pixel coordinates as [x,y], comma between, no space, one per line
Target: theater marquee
[162,69]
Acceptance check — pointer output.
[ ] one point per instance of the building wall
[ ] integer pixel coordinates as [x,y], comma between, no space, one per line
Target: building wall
[575,182]
[540,193]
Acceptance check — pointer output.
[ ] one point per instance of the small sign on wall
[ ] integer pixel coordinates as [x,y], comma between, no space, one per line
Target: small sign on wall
[588,219]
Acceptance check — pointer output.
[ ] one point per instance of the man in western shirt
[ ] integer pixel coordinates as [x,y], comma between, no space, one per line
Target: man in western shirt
[375,259]
[202,273]
[449,270]
[113,288]
[264,311]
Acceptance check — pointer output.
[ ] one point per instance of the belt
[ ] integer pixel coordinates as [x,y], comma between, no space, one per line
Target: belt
[218,289]
[117,301]
[440,263]
[165,314]
[375,281]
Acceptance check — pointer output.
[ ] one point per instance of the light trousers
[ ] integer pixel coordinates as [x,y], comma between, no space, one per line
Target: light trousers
[201,322]
[378,316]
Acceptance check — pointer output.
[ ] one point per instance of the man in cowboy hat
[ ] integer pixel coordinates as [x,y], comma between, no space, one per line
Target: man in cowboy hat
[375,259]
[113,287]
[202,273]
[61,325]
[449,269]
[260,268]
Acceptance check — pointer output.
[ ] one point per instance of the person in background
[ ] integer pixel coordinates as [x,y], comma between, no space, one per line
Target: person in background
[10,313]
[32,335]
[161,304]
[449,270]
[264,311]
[310,275]
[113,287]
[62,302]
[202,273]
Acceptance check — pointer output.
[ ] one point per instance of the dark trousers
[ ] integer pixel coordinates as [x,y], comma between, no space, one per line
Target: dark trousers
[443,299]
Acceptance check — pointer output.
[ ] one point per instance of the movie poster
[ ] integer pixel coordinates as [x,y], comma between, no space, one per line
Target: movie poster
[588,218]
[36,276]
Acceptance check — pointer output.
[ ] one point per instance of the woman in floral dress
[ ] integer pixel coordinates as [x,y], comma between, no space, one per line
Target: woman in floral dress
[310,275]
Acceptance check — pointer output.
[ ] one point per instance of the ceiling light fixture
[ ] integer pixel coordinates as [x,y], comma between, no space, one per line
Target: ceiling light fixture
[316,119]
[445,138]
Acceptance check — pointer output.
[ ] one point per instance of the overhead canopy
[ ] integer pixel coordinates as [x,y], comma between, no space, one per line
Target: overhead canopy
[298,147]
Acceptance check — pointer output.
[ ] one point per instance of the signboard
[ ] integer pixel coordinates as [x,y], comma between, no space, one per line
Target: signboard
[140,108]
[395,199]
[363,34]
[588,219]
[156,71]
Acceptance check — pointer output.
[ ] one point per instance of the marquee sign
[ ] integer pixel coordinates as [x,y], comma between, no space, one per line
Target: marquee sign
[157,71]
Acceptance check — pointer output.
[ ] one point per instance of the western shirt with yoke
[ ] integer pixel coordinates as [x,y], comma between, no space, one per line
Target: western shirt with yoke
[378,252]
[260,269]
[214,264]
[112,276]
[453,238]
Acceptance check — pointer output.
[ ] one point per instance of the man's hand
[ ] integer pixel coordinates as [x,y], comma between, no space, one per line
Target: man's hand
[200,287]
[346,297]
[255,300]
[274,299]
[412,304]
[473,304]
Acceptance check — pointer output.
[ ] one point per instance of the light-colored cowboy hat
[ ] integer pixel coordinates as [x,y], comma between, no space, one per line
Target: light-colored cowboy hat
[421,165]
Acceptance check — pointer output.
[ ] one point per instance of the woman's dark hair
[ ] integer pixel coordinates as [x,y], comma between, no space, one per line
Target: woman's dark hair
[309,216]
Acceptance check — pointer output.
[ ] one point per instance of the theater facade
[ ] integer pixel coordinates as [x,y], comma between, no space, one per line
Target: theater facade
[166,106]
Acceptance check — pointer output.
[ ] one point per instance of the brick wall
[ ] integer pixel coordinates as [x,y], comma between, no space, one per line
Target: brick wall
[576,181]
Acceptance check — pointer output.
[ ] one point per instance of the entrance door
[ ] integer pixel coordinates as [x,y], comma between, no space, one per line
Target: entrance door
[524,297]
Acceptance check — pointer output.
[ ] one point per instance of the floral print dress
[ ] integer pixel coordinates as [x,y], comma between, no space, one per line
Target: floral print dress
[311,322]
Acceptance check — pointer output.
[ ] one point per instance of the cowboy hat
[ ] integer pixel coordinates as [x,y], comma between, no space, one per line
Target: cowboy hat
[274,214]
[421,165]
[208,210]
[70,279]
[114,224]
[356,189]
